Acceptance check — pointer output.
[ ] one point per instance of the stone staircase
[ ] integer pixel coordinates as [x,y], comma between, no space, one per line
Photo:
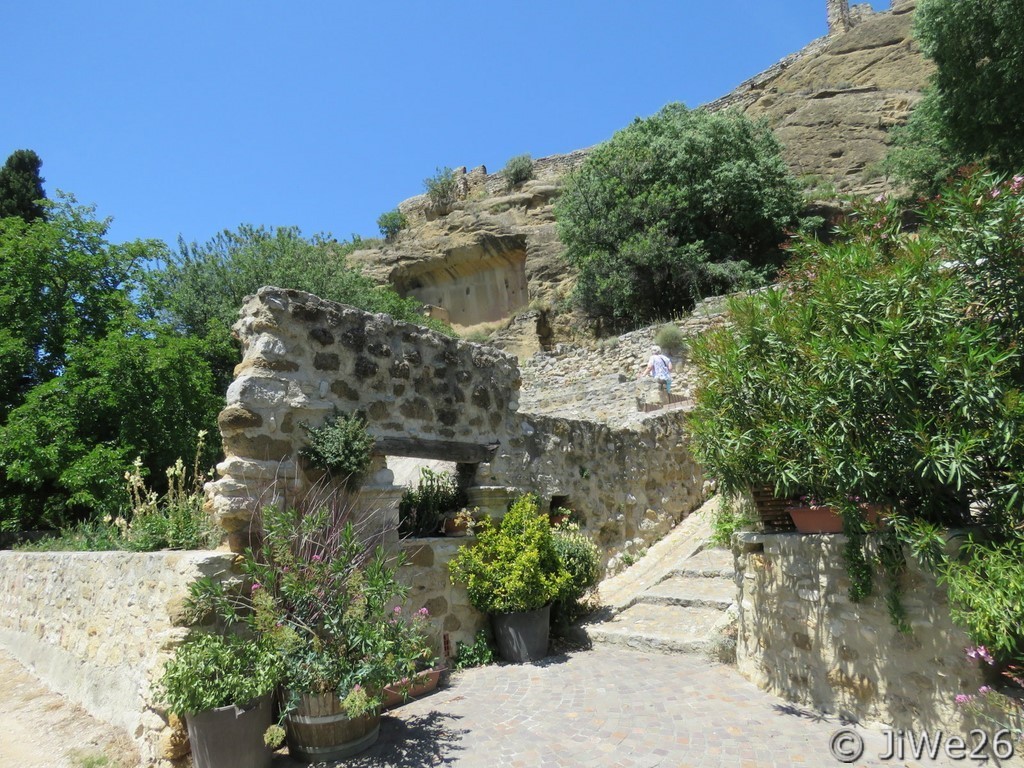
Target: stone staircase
[679,598]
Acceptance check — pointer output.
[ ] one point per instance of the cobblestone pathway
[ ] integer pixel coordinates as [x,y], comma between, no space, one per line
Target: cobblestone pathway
[609,707]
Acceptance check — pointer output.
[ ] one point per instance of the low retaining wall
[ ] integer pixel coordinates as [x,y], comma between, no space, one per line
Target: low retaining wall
[802,638]
[98,626]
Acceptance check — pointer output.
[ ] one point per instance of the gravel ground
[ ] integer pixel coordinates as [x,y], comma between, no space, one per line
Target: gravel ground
[42,730]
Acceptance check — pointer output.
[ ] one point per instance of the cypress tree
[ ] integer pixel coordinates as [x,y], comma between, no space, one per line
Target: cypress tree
[21,186]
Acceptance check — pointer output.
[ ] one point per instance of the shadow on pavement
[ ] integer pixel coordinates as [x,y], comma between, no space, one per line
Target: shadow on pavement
[412,742]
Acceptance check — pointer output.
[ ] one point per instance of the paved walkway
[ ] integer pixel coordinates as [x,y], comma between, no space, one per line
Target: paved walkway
[608,707]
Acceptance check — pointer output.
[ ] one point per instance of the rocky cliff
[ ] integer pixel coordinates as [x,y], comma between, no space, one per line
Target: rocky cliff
[495,252]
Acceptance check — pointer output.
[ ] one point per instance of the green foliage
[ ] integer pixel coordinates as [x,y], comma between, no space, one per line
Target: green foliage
[581,559]
[978,50]
[730,517]
[985,580]
[670,339]
[886,366]
[61,284]
[137,392]
[322,595]
[391,223]
[679,206]
[21,187]
[479,653]
[517,170]
[514,566]
[174,520]
[422,510]
[442,188]
[212,670]
[200,288]
[870,371]
[341,446]
[971,110]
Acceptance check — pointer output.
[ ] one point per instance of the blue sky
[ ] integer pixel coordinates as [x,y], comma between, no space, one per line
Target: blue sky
[191,117]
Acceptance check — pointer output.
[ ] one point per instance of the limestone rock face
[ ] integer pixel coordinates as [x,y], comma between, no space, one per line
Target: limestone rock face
[483,260]
[833,104]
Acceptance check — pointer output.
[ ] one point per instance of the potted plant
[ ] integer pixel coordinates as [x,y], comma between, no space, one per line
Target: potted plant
[424,511]
[513,573]
[222,685]
[323,596]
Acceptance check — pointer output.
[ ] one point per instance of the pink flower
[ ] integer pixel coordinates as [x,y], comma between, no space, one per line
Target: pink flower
[985,690]
[996,192]
[963,698]
[1017,184]
[880,198]
[398,609]
[980,652]
[423,612]
[256,585]
[316,558]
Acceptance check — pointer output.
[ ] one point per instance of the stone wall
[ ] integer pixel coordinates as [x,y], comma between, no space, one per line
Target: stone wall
[800,636]
[422,393]
[426,575]
[430,396]
[98,626]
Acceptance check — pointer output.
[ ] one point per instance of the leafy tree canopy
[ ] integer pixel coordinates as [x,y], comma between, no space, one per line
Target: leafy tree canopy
[681,205]
[971,112]
[60,283]
[21,186]
[201,287]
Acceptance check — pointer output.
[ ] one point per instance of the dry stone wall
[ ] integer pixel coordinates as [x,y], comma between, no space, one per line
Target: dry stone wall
[800,636]
[98,626]
[427,395]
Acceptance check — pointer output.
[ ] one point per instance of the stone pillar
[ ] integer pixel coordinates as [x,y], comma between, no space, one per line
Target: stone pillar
[377,502]
[838,16]
[492,500]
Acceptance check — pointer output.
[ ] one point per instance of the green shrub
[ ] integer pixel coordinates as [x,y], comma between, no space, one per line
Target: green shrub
[442,188]
[514,566]
[211,670]
[340,447]
[682,205]
[517,170]
[886,367]
[581,559]
[730,517]
[671,339]
[476,654]
[422,510]
[391,223]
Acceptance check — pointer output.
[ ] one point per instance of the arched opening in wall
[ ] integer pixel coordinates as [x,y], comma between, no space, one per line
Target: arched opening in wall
[475,284]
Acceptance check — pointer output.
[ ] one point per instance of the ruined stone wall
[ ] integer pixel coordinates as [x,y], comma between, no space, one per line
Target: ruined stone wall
[423,394]
[98,626]
[630,485]
[800,636]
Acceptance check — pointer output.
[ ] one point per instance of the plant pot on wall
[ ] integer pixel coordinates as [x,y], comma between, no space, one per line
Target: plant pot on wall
[827,519]
[402,691]
[231,737]
[522,637]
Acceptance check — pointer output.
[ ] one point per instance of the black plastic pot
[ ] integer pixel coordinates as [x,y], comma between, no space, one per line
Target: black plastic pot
[522,636]
[231,737]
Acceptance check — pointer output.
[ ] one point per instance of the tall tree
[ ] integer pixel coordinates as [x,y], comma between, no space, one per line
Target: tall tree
[681,205]
[21,186]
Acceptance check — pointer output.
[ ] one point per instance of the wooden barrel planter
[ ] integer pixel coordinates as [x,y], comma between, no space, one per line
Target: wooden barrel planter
[772,512]
[319,730]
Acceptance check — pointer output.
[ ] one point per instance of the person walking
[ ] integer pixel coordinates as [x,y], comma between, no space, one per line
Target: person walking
[660,367]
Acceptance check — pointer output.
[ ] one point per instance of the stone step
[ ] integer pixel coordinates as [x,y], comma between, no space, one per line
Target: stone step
[698,592]
[663,628]
[706,563]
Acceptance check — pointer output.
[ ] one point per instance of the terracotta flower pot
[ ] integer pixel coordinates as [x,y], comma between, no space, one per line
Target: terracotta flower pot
[826,519]
[400,692]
